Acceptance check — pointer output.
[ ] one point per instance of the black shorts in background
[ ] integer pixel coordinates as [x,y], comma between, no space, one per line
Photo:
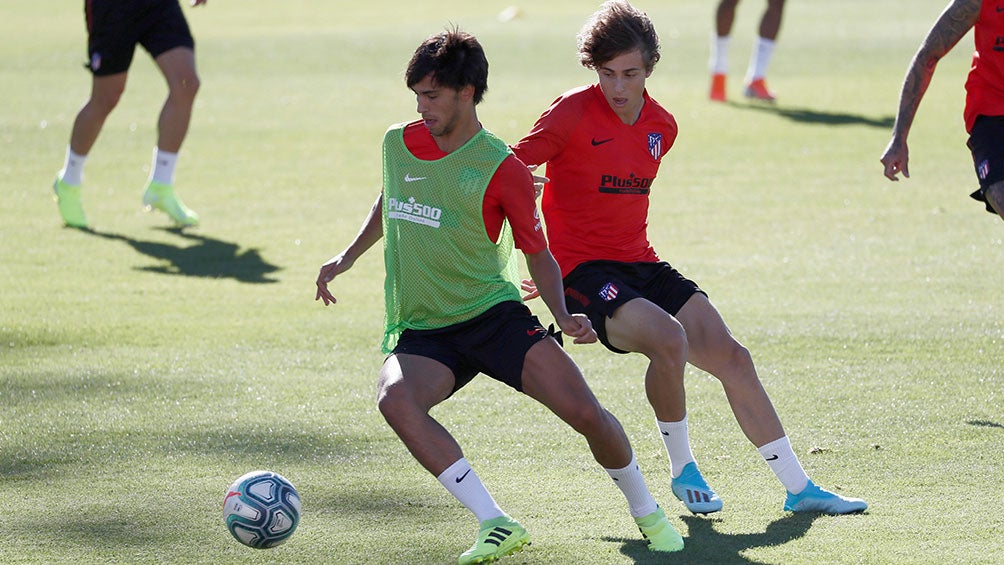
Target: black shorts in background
[115,27]
[494,343]
[986,142]
[598,288]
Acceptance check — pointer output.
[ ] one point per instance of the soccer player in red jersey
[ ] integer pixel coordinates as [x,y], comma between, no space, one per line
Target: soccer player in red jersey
[452,298]
[984,111]
[603,145]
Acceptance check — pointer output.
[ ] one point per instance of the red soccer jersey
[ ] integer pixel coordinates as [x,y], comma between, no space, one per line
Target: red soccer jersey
[985,85]
[510,193]
[601,171]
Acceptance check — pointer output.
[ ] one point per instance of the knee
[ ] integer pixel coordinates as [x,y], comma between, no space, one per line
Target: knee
[104,102]
[670,347]
[392,404]
[185,86]
[737,363]
[589,419]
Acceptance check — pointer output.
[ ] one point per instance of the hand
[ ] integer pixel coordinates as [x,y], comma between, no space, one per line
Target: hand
[579,327]
[896,160]
[530,288]
[538,181]
[335,266]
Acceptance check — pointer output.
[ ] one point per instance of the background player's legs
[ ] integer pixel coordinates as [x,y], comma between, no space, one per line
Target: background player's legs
[725,16]
[106,91]
[178,67]
[105,94]
[763,51]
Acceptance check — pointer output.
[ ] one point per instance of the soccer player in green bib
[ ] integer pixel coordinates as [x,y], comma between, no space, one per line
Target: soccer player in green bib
[455,205]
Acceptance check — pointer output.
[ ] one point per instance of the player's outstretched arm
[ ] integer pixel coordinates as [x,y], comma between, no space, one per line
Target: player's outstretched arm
[955,21]
[547,276]
[370,233]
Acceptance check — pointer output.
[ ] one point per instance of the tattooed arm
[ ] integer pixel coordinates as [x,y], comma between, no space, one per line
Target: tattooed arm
[957,19]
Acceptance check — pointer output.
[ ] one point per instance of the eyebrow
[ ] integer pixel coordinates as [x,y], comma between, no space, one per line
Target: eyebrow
[629,69]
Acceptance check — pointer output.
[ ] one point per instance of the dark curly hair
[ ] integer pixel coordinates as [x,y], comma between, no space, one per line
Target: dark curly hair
[454,58]
[617,28]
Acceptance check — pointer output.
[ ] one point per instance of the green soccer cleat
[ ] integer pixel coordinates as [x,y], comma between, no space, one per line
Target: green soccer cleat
[661,535]
[815,499]
[70,206]
[163,198]
[497,537]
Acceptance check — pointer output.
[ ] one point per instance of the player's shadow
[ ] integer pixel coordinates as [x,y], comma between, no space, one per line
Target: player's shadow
[704,544]
[207,257]
[810,116]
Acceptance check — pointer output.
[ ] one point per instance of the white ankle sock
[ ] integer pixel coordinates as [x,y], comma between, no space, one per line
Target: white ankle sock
[73,168]
[677,439]
[763,49]
[783,461]
[719,62]
[632,484]
[465,485]
[163,166]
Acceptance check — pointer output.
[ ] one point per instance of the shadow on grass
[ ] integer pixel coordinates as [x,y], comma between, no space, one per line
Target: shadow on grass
[817,117]
[985,424]
[704,544]
[74,422]
[207,257]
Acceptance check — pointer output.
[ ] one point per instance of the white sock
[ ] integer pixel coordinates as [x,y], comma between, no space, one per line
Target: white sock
[73,168]
[632,484]
[719,54]
[464,484]
[677,439]
[760,59]
[163,166]
[783,461]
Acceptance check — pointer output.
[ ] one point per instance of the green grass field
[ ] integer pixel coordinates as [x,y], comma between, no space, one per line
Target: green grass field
[143,369]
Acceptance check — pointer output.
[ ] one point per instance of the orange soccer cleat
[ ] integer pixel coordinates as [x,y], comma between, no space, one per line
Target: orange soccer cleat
[717,87]
[757,89]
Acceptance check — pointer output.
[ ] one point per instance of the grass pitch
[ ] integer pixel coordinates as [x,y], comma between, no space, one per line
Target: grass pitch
[142,369]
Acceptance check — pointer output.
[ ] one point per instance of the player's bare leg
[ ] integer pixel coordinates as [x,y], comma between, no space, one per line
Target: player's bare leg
[178,68]
[105,94]
[551,377]
[995,196]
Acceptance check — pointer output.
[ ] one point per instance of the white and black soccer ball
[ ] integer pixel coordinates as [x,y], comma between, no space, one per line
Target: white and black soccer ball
[261,509]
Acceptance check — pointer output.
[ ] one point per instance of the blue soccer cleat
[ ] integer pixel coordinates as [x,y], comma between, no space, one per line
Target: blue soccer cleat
[691,488]
[815,499]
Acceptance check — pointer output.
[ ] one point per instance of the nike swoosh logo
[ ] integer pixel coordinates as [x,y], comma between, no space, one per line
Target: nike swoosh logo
[771,458]
[409,178]
[461,477]
[596,142]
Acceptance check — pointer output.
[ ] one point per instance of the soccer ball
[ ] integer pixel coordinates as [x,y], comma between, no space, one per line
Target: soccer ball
[261,509]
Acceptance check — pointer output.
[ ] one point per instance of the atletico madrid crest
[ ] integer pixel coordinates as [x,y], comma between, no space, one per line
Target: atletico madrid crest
[655,145]
[608,292]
